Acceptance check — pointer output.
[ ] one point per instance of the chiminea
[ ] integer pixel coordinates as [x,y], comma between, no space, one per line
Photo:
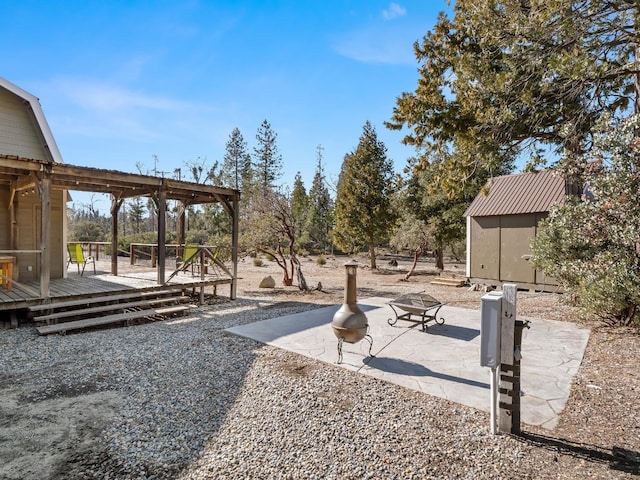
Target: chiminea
[350,323]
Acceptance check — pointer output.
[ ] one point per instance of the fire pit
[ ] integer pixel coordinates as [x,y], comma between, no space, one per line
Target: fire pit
[350,323]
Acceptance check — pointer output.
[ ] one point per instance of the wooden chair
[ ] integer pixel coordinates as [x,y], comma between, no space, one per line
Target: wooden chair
[77,256]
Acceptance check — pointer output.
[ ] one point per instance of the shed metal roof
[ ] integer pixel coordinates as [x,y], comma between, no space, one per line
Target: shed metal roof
[518,194]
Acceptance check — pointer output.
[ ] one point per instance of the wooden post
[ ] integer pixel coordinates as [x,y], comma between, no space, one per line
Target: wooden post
[180,228]
[201,260]
[235,216]
[507,345]
[153,256]
[13,245]
[44,189]
[515,418]
[162,234]
[115,207]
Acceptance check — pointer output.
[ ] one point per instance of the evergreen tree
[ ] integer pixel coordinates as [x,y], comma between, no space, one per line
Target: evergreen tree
[503,78]
[268,162]
[299,207]
[236,166]
[592,244]
[363,205]
[319,221]
[136,213]
[440,216]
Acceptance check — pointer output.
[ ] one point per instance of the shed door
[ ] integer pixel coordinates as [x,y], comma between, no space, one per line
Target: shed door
[485,247]
[517,233]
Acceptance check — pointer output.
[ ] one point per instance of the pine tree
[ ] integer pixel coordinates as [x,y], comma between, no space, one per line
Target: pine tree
[268,162]
[503,78]
[299,207]
[236,166]
[364,214]
[319,221]
[136,214]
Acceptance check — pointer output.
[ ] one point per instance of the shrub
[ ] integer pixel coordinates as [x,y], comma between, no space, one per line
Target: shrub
[257,262]
[592,245]
[321,260]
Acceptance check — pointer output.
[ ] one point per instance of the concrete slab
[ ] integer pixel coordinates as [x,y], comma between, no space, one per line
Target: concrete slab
[444,361]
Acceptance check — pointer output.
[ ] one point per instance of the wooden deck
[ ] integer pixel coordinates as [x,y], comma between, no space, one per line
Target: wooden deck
[76,286]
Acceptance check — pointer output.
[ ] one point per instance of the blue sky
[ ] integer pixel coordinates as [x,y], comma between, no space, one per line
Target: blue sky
[122,81]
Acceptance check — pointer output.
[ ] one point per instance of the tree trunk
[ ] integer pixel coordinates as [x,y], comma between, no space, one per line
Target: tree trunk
[417,254]
[636,103]
[439,258]
[302,282]
[287,280]
[372,255]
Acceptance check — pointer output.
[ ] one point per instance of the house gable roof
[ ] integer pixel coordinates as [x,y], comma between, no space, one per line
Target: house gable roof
[32,104]
[518,194]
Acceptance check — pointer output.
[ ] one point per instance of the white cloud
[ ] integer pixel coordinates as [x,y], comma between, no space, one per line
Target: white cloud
[374,45]
[394,11]
[101,109]
[104,97]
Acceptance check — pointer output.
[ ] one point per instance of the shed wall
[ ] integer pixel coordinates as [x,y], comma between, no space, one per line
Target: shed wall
[500,248]
[516,234]
[485,243]
[18,135]
[28,226]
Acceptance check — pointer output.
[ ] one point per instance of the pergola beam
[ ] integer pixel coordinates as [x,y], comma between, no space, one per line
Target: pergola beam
[23,173]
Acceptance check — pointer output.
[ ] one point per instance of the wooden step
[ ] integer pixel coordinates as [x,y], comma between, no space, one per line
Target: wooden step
[110,319]
[149,303]
[104,298]
[449,282]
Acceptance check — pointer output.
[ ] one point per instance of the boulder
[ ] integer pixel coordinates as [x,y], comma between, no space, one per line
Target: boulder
[267,282]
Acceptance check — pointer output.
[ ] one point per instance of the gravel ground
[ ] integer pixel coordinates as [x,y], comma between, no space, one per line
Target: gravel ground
[183,399]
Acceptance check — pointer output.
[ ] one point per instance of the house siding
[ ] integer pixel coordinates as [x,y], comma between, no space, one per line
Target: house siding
[18,135]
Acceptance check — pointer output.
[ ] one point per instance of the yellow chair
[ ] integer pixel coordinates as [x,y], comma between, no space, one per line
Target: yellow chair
[190,257]
[77,256]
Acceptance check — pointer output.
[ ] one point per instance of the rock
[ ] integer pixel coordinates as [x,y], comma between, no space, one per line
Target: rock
[393,262]
[267,282]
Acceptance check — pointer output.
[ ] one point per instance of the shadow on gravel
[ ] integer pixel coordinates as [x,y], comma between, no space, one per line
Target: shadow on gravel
[169,387]
[617,458]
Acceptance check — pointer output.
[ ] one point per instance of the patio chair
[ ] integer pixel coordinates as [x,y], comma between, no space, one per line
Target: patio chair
[190,255]
[77,256]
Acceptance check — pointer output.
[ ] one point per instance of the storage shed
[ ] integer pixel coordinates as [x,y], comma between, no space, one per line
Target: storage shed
[502,224]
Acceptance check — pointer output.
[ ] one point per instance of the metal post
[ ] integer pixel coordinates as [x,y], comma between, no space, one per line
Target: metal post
[494,373]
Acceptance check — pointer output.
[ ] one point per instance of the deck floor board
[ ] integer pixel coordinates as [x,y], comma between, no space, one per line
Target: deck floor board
[75,286]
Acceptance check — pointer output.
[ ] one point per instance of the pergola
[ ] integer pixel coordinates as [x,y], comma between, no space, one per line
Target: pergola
[22,174]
